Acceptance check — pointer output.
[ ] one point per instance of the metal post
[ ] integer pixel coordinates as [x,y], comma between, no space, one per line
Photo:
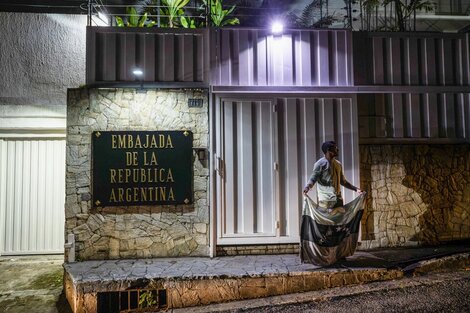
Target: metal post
[208,12]
[70,246]
[158,13]
[89,13]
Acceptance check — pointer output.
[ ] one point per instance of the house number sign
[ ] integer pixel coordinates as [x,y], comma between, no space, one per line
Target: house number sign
[132,168]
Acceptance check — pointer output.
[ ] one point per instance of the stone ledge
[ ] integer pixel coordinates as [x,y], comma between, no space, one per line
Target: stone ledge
[200,281]
[195,281]
[456,261]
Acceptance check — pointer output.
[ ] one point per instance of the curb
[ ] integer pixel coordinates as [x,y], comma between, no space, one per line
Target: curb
[326,294]
[456,261]
[453,262]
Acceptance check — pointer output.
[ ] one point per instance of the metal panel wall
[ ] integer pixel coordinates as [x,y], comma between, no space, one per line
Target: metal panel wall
[164,55]
[32,195]
[245,152]
[255,57]
[303,125]
[265,151]
[411,59]
[442,118]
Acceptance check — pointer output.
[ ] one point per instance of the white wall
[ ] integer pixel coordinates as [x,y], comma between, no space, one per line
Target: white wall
[41,55]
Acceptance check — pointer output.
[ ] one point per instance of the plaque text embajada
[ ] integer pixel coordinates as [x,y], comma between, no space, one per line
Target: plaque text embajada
[142,168]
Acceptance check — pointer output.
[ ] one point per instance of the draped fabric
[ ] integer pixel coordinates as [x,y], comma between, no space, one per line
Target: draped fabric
[328,235]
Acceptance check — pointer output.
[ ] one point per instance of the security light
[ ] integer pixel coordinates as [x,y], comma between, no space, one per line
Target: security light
[277,28]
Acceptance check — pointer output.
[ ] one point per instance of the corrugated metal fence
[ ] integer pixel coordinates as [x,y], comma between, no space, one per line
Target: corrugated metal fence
[255,57]
[426,62]
[414,59]
[435,118]
[175,55]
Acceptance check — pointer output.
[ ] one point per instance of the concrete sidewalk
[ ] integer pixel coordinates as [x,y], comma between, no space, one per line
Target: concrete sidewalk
[34,283]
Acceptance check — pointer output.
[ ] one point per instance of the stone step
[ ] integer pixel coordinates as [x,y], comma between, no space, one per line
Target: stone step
[195,281]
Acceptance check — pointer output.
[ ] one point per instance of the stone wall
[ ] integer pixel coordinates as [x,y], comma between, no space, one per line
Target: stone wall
[140,231]
[418,194]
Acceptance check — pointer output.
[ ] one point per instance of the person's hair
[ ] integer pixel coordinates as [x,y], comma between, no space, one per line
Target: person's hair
[327,145]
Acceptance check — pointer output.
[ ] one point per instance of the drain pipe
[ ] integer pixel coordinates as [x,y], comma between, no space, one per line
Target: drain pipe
[70,247]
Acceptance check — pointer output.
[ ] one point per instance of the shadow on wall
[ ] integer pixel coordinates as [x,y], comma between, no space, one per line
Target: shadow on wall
[441,176]
[417,194]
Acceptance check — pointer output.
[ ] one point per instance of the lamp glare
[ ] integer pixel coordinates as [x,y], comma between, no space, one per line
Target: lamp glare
[277,28]
[137,72]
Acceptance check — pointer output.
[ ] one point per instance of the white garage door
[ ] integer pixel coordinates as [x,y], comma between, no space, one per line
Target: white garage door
[32,195]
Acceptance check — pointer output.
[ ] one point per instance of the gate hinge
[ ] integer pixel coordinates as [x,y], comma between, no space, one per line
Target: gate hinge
[278,224]
[275,108]
[220,167]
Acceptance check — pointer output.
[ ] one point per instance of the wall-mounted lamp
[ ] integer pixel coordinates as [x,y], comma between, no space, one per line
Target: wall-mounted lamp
[277,28]
[138,74]
[201,153]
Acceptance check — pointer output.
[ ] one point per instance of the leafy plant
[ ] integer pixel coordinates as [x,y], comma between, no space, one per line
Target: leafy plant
[173,10]
[147,299]
[188,22]
[134,19]
[219,15]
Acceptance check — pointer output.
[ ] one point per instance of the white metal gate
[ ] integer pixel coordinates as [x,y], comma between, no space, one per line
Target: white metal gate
[32,195]
[265,151]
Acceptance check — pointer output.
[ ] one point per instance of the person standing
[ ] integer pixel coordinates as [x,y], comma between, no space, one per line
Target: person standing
[330,229]
[328,174]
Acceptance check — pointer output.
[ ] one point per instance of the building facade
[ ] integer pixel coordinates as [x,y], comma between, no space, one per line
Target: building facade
[390,101]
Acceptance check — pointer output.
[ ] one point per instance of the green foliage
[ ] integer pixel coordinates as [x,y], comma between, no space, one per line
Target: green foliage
[134,19]
[219,15]
[173,10]
[147,299]
[173,13]
[188,22]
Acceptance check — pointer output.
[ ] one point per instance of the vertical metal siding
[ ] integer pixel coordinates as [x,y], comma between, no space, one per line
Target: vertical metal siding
[32,194]
[246,147]
[254,57]
[411,59]
[163,55]
[304,124]
[252,136]
[434,116]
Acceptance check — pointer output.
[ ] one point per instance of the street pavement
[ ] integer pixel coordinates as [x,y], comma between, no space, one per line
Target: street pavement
[433,292]
[32,284]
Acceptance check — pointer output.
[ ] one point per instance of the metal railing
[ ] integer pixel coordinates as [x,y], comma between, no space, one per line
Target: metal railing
[368,15]
[316,14]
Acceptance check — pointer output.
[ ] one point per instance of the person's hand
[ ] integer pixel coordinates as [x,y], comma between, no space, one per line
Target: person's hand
[359,191]
[306,189]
